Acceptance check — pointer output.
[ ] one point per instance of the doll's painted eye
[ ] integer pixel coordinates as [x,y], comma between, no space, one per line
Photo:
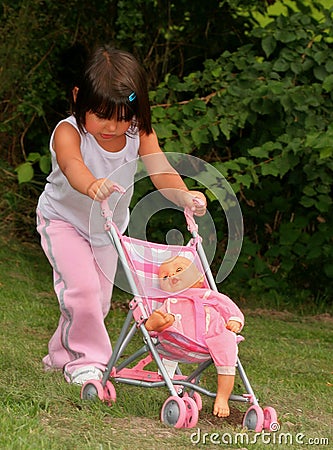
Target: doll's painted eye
[179,269]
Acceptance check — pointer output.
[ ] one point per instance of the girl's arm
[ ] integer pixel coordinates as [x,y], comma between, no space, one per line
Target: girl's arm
[165,178]
[66,144]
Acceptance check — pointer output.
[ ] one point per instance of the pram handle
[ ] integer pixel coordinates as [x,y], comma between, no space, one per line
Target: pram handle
[106,211]
[118,188]
[189,216]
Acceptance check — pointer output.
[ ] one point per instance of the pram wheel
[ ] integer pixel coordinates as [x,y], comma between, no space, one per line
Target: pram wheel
[174,412]
[270,419]
[91,390]
[254,419]
[192,412]
[197,398]
[110,395]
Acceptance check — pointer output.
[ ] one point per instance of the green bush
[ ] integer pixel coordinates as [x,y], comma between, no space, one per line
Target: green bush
[44,43]
[255,102]
[41,53]
[262,116]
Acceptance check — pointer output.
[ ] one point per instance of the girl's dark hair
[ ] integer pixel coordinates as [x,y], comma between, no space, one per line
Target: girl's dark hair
[113,85]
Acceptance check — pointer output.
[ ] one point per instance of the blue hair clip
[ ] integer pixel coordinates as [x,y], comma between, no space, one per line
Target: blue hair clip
[132,97]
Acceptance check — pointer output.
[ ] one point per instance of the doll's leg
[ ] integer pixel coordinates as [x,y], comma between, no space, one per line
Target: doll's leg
[225,384]
[222,346]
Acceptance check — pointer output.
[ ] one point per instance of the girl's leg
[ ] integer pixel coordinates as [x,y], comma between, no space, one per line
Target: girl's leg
[106,258]
[82,289]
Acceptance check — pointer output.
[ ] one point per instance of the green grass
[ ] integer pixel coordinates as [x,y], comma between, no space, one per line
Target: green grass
[287,357]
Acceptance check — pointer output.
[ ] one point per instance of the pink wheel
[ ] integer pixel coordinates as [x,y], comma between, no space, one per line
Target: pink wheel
[254,419]
[192,413]
[109,393]
[174,412]
[197,398]
[91,390]
[270,419]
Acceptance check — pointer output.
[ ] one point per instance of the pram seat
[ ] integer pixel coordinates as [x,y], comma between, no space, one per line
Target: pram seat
[140,260]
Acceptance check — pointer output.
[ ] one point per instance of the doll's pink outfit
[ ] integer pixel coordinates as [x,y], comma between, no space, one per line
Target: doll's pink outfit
[201,315]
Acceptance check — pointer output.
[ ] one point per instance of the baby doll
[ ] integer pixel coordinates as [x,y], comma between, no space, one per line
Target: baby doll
[222,318]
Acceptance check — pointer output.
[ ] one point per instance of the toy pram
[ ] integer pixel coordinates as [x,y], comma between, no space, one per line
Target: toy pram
[140,260]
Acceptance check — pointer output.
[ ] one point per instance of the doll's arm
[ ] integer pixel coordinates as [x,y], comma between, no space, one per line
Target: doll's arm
[159,321]
[230,312]
[234,325]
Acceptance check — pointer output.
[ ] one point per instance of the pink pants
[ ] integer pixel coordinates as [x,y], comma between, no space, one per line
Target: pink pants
[84,290]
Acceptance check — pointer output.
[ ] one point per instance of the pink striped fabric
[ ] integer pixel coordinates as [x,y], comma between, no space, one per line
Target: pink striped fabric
[143,261]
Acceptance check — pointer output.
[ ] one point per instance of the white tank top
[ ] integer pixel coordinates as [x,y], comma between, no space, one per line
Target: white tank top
[60,201]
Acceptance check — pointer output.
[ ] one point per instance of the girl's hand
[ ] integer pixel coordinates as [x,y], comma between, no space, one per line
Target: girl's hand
[100,189]
[195,201]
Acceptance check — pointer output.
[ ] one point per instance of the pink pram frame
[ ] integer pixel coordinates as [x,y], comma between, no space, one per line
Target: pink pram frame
[140,260]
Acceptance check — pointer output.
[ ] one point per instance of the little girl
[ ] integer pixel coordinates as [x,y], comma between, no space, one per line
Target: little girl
[216,328]
[93,150]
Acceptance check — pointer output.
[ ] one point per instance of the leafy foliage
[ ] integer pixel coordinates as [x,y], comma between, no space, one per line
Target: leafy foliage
[262,116]
[255,102]
[45,43]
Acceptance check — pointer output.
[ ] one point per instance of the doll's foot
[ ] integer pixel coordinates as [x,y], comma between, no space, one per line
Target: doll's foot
[221,408]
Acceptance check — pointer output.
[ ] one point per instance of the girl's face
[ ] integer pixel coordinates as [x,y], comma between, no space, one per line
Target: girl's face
[105,131]
[178,274]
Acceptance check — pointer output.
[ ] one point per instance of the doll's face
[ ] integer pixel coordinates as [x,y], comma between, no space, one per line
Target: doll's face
[178,274]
